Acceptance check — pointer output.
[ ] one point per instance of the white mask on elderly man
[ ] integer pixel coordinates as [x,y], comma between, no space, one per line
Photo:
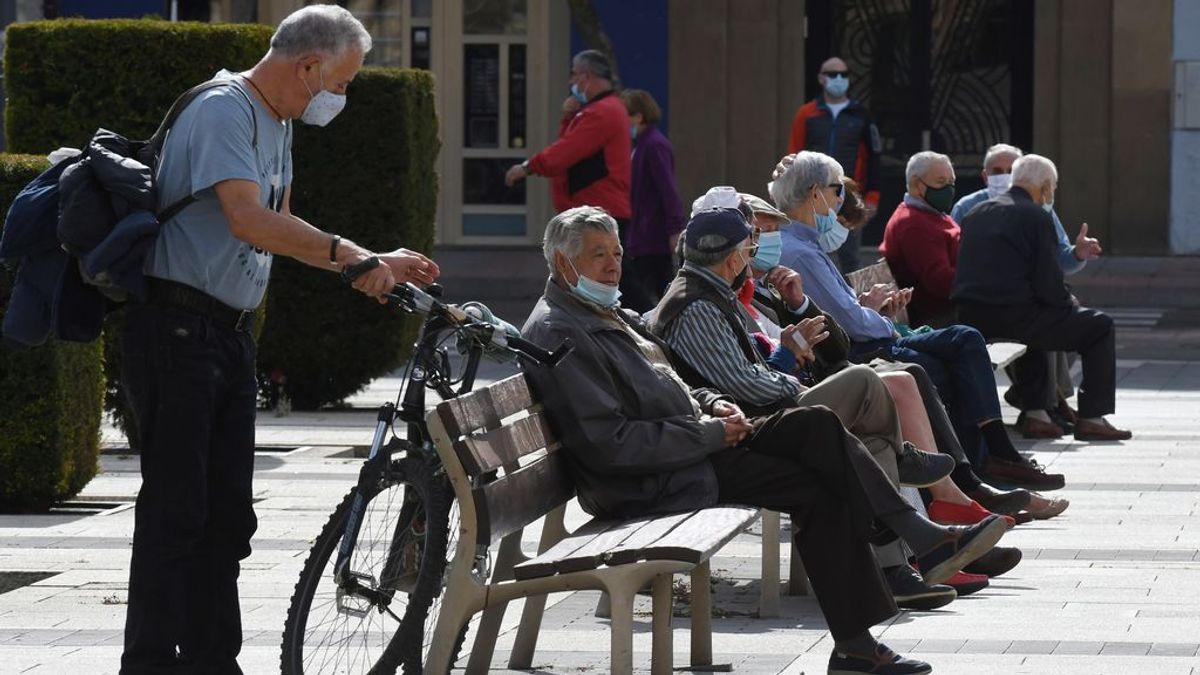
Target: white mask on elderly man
[720,197]
[998,183]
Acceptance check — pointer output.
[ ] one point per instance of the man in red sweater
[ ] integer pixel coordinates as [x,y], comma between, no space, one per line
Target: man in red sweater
[590,163]
[920,242]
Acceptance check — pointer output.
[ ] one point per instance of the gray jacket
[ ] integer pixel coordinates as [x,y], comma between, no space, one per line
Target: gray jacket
[635,444]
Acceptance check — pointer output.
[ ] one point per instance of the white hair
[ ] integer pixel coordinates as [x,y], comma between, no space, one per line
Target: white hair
[790,190]
[1034,170]
[1000,149]
[922,162]
[564,232]
[320,29]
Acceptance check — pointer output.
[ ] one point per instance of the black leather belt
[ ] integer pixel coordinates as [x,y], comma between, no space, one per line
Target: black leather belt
[181,296]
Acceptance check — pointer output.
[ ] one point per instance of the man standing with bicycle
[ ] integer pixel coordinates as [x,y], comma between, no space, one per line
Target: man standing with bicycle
[188,352]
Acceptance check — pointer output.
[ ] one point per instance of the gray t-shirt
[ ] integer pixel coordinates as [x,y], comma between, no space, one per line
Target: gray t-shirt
[210,142]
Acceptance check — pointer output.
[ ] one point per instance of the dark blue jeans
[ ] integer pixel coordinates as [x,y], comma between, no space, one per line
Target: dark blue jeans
[192,388]
[956,360]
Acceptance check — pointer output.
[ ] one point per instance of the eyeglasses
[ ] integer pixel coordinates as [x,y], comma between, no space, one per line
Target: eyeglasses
[834,73]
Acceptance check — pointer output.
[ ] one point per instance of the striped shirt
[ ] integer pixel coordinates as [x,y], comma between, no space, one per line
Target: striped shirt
[702,337]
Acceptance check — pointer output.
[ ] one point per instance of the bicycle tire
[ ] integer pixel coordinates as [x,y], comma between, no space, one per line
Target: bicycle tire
[349,649]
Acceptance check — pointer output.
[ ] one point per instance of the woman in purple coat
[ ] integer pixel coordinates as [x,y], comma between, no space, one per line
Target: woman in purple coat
[657,214]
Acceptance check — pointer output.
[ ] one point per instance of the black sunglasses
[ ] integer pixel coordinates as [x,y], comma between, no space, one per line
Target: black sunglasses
[835,73]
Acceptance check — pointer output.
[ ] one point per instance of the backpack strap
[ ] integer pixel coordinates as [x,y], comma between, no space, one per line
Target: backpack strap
[155,144]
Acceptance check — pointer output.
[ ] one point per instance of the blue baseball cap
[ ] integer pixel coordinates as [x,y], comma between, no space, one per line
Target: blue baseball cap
[729,224]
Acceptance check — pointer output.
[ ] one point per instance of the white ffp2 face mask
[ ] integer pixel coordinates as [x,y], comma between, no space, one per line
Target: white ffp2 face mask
[998,183]
[323,106]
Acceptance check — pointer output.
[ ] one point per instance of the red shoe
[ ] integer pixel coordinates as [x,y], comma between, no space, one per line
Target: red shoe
[948,513]
[965,583]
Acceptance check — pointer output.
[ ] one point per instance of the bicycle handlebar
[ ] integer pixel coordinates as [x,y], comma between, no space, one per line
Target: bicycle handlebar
[411,298]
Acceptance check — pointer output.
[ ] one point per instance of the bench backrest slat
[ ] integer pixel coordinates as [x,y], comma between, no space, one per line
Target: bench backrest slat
[500,427]
[486,451]
[483,409]
[521,497]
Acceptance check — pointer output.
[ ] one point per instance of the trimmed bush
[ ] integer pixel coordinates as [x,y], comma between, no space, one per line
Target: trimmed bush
[368,176]
[66,78]
[51,397]
[375,184]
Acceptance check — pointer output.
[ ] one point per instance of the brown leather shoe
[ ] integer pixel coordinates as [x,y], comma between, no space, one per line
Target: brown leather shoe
[1068,413]
[1100,431]
[1034,428]
[1027,474]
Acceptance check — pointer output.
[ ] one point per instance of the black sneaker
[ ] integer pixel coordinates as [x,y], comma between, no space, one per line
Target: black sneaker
[911,592]
[883,662]
[922,469]
[961,546]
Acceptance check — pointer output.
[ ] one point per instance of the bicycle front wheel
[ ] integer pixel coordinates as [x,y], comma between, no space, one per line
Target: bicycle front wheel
[345,626]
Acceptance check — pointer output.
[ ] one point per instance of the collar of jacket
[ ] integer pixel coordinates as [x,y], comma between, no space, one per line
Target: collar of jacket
[710,277]
[591,316]
[1020,194]
[601,95]
[823,105]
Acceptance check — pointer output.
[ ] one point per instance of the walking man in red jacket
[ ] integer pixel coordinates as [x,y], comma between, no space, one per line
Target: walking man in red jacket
[589,164]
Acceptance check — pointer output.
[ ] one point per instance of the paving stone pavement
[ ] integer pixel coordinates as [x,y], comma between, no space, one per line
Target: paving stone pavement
[1112,586]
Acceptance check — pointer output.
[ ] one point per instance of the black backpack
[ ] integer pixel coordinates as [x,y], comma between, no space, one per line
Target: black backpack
[63,220]
[114,176]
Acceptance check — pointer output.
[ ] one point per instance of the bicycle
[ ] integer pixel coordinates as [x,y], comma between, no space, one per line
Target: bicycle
[392,531]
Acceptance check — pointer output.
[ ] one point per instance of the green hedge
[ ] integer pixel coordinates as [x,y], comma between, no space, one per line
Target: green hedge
[368,176]
[65,78]
[51,397]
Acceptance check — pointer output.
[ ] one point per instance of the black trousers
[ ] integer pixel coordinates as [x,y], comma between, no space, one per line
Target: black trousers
[803,462]
[1088,332]
[192,387]
[635,294]
[653,273]
[939,421]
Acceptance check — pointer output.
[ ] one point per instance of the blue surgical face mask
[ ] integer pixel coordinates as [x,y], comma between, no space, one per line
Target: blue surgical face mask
[633,131]
[578,93]
[593,291]
[837,86]
[830,232]
[770,249]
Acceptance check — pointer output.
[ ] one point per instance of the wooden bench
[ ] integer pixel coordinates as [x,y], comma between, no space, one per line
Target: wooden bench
[508,470]
[1001,354]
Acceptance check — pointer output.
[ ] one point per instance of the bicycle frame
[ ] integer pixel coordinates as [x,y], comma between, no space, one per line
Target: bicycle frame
[430,370]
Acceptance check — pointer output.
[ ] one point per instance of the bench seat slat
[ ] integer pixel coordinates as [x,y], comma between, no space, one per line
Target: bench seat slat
[594,553]
[689,537]
[486,451]
[544,564]
[699,537]
[630,550]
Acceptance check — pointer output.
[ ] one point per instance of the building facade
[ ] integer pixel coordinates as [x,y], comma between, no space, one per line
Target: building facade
[1109,89]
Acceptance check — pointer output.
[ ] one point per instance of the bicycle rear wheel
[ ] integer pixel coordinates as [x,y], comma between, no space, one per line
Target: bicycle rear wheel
[347,628]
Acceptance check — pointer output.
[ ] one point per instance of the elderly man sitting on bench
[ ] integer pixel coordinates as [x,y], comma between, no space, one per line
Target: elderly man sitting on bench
[640,442]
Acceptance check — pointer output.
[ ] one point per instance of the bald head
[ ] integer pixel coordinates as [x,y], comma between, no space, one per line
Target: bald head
[835,79]
[833,63]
